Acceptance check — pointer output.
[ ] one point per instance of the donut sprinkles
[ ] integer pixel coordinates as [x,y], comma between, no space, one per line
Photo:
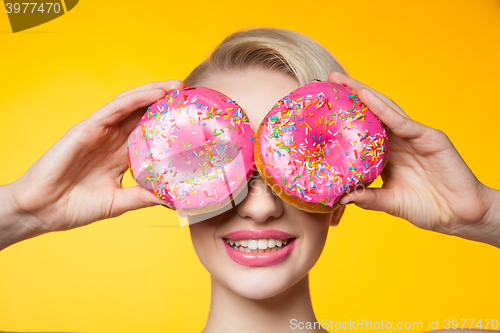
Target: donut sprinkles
[192,148]
[321,141]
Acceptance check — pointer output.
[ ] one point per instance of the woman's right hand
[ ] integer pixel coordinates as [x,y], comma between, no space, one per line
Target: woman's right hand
[78,180]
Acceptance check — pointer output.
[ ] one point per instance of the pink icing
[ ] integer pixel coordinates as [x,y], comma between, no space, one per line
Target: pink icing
[320,141]
[192,148]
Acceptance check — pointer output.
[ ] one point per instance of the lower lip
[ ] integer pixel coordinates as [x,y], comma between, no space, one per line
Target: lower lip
[259,259]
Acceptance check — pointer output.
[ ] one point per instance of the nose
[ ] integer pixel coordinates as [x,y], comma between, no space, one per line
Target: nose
[261,203]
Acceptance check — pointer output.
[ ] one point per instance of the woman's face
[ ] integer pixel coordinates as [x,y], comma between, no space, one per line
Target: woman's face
[261,213]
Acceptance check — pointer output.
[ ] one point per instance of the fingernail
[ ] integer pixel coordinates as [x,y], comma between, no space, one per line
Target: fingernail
[165,206]
[349,203]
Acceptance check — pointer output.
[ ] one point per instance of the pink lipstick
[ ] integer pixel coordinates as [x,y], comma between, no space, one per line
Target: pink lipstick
[241,245]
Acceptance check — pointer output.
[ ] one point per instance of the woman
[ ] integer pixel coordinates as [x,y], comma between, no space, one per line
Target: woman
[255,68]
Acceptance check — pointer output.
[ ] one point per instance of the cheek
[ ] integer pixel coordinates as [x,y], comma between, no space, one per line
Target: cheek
[320,237]
[316,236]
[315,229]
[203,238]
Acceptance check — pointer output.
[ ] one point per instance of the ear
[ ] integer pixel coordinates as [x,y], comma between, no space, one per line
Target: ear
[336,215]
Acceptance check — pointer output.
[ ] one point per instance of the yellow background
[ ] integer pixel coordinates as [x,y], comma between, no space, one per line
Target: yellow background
[439,60]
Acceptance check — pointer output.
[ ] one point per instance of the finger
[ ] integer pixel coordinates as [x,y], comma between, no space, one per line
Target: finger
[400,125]
[165,85]
[120,108]
[129,124]
[340,78]
[379,199]
[132,198]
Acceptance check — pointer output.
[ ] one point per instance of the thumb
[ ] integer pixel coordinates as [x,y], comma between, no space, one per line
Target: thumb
[379,199]
[132,198]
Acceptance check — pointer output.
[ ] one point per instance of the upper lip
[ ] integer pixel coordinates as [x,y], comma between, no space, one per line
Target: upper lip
[258,234]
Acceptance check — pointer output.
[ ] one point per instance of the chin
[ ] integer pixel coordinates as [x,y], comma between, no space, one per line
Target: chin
[259,282]
[257,290]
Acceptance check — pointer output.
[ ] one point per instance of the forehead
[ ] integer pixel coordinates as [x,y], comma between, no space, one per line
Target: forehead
[255,90]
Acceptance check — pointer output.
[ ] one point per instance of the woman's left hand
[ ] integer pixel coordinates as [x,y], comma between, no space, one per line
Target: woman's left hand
[425,181]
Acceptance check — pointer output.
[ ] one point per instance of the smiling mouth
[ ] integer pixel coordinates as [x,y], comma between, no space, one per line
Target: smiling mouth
[258,245]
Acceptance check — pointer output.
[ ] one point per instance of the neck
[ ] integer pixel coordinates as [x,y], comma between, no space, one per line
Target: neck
[230,312]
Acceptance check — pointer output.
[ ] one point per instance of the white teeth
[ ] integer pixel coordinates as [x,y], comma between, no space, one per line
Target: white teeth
[257,245]
[252,244]
[262,244]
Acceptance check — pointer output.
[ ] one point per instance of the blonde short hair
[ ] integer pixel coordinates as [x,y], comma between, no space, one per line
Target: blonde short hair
[270,48]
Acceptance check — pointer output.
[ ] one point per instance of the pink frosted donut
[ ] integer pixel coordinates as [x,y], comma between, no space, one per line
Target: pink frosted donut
[193,149]
[317,143]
